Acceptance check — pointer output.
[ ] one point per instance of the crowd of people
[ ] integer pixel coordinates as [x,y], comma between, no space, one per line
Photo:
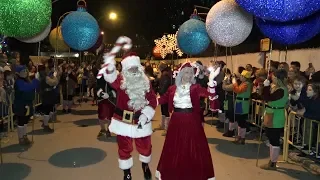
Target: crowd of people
[126,95]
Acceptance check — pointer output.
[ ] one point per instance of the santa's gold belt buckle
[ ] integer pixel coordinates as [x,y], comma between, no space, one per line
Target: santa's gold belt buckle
[127,117]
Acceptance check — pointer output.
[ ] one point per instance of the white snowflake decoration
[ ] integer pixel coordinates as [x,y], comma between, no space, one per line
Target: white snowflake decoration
[173,43]
[167,45]
[163,45]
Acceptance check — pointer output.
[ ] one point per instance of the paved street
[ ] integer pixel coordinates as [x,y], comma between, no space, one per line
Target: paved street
[73,152]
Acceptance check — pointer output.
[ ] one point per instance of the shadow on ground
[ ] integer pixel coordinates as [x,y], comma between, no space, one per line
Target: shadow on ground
[247,151]
[84,112]
[77,157]
[296,174]
[15,148]
[38,132]
[14,171]
[86,122]
[112,139]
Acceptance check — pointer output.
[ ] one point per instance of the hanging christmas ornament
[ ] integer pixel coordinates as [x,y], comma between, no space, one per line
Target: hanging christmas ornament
[80,29]
[41,36]
[228,24]
[292,32]
[192,36]
[98,44]
[24,18]
[280,10]
[56,40]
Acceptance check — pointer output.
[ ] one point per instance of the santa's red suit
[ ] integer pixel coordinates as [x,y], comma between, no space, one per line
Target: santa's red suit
[128,124]
[214,105]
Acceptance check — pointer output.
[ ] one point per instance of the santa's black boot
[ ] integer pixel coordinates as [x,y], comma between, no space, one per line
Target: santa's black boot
[127,175]
[146,171]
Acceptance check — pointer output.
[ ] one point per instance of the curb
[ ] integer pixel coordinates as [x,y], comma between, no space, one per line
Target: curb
[306,162]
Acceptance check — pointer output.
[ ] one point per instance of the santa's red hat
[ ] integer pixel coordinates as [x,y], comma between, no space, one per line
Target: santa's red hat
[129,60]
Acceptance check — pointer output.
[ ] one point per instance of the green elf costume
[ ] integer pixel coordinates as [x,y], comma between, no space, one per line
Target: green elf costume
[242,103]
[276,97]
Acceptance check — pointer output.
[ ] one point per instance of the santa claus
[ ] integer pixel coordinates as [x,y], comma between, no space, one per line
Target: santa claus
[135,107]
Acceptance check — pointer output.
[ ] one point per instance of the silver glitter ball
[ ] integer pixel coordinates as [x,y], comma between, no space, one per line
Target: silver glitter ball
[228,24]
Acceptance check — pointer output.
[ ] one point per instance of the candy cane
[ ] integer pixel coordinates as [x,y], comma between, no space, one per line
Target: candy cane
[122,42]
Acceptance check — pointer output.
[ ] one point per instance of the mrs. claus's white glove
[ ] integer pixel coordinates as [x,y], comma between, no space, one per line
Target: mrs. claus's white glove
[266,82]
[105,95]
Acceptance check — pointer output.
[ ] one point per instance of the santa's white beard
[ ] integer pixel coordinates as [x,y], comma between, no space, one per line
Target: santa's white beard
[136,85]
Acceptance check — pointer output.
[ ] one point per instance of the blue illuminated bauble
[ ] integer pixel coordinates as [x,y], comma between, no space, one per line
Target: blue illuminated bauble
[80,30]
[280,10]
[192,37]
[290,33]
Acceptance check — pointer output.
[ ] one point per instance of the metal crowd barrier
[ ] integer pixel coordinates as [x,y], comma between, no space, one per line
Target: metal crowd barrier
[303,134]
[298,131]
[7,114]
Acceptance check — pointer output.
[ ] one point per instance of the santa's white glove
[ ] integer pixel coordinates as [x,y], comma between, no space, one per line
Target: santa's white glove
[55,74]
[114,93]
[67,78]
[266,83]
[111,67]
[234,81]
[143,120]
[37,75]
[105,95]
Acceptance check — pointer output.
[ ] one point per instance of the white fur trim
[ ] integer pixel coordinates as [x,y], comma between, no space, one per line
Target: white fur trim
[99,91]
[110,78]
[158,176]
[129,130]
[125,164]
[212,90]
[130,61]
[149,112]
[145,159]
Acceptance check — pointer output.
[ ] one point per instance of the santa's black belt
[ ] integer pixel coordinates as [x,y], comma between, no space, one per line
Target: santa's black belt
[183,110]
[271,107]
[127,115]
[242,99]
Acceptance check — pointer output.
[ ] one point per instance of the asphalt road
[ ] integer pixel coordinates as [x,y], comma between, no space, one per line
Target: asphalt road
[74,152]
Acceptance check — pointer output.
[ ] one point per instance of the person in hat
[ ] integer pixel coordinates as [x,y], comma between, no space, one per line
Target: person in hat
[165,82]
[214,105]
[276,95]
[106,104]
[49,80]
[23,101]
[135,107]
[242,106]
[185,154]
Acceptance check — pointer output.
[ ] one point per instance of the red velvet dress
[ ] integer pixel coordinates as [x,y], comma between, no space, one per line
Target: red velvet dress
[186,154]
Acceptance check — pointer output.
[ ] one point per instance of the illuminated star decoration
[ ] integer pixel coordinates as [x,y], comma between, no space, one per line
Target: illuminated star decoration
[167,45]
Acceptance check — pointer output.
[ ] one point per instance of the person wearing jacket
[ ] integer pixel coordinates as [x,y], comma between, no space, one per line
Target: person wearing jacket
[164,83]
[310,110]
[23,102]
[106,104]
[276,96]
[242,105]
[49,80]
[68,83]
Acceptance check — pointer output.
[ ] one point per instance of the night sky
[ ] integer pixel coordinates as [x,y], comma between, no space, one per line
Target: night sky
[144,21]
